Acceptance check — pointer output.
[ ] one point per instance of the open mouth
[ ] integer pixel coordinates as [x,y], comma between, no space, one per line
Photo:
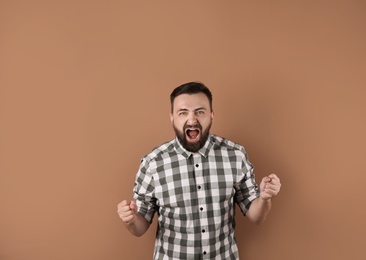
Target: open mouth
[193,134]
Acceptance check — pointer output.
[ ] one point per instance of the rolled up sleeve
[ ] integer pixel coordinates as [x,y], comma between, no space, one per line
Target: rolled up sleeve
[143,192]
[246,188]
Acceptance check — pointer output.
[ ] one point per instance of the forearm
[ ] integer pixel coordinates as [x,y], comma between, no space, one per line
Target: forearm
[259,210]
[138,226]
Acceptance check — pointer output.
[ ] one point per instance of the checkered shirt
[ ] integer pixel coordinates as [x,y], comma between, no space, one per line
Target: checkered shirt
[194,195]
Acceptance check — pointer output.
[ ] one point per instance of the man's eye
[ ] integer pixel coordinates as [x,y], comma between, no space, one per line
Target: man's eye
[200,112]
[182,113]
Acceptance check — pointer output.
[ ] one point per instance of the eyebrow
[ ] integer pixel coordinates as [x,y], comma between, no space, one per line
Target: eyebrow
[195,110]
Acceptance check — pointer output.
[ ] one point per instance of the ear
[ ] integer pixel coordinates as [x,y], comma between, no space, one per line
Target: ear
[212,115]
[171,118]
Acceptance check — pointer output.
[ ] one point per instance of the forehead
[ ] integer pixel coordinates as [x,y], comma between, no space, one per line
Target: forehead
[191,101]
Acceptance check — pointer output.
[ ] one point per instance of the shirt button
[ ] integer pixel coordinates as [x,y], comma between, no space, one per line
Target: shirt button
[201,208]
[204,252]
[197,165]
[199,187]
[203,231]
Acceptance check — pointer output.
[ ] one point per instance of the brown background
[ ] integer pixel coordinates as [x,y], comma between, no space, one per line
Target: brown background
[84,89]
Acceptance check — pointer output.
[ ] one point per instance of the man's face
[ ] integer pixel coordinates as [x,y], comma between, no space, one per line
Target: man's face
[191,119]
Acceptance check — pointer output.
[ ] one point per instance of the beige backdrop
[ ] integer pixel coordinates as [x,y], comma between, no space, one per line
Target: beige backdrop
[84,89]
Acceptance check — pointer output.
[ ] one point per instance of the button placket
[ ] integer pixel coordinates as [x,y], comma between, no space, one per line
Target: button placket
[200,185]
[199,176]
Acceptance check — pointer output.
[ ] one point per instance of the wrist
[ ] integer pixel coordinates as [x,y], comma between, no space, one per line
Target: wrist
[265,200]
[130,221]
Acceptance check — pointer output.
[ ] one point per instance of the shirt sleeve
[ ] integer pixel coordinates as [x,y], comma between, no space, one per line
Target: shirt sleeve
[246,188]
[143,192]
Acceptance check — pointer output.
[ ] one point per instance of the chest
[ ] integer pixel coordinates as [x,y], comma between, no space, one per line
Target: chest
[186,182]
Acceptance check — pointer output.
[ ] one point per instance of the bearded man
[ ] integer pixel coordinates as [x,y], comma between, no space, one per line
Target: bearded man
[193,183]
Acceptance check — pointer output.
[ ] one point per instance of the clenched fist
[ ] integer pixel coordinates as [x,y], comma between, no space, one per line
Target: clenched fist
[270,186]
[127,211]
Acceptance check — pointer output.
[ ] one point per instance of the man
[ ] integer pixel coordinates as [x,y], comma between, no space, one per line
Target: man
[193,183]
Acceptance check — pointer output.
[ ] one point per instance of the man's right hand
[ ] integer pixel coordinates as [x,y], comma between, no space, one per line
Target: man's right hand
[127,211]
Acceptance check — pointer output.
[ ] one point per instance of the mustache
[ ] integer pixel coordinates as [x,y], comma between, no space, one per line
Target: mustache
[197,125]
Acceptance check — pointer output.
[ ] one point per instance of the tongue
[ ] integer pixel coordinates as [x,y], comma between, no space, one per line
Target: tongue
[192,133]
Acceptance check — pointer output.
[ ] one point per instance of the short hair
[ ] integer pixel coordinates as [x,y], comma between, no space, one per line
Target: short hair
[190,88]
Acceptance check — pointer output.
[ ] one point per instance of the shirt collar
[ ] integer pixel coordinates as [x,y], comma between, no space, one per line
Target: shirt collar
[203,151]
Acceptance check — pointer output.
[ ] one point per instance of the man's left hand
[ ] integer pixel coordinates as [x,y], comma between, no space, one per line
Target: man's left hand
[270,186]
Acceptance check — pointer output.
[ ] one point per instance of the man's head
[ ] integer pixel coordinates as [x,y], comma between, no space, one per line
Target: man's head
[191,114]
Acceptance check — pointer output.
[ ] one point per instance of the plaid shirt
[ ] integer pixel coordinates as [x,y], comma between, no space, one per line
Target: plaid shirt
[194,195]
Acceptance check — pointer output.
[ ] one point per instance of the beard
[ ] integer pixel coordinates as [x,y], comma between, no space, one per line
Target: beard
[192,146]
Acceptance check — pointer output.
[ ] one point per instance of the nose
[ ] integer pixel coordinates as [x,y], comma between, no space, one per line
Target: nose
[192,119]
